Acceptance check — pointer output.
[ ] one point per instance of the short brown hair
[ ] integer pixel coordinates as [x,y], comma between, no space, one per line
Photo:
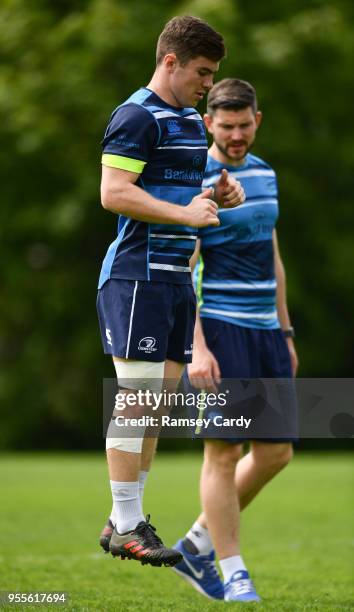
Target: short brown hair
[231,94]
[189,37]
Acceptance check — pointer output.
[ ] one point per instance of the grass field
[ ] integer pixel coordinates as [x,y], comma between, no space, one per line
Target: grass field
[297,536]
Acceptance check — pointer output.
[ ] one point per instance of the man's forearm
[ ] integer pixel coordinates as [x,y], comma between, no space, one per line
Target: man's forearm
[283,314]
[132,201]
[199,342]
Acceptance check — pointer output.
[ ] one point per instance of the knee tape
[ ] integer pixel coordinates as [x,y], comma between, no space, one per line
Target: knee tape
[129,445]
[135,375]
[138,375]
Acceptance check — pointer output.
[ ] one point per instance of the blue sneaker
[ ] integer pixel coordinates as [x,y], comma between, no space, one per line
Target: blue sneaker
[200,571]
[240,588]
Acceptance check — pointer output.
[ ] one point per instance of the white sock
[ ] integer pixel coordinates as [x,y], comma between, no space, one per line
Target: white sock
[199,536]
[142,478]
[231,565]
[126,505]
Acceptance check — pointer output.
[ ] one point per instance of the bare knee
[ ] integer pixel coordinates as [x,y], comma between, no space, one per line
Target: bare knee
[272,457]
[221,456]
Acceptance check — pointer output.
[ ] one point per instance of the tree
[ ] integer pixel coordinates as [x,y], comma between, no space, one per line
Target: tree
[64,67]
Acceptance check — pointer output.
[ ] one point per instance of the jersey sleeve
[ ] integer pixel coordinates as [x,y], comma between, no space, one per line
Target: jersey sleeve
[272,183]
[276,186]
[129,138]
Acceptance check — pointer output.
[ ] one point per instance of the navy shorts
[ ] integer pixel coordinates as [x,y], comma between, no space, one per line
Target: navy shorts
[249,353]
[147,320]
[245,352]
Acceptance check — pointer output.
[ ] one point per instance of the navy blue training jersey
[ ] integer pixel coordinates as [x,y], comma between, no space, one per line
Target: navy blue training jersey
[167,146]
[235,275]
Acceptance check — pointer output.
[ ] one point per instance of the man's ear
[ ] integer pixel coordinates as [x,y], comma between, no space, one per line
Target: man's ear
[208,122]
[170,61]
[258,117]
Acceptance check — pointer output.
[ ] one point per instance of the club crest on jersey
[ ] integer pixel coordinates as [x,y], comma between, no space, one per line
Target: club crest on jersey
[173,127]
[147,344]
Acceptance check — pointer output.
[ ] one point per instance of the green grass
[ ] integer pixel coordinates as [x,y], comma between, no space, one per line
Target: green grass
[297,536]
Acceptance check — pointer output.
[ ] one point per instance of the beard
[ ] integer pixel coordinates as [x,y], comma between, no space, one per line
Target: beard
[240,155]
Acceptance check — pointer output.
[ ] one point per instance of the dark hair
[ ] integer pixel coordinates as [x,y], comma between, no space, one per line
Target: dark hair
[231,94]
[189,37]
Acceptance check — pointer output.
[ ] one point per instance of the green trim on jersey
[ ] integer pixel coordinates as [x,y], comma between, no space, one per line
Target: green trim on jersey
[198,287]
[123,163]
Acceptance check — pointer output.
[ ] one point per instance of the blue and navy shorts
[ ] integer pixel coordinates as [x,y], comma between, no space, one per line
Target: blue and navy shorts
[269,399]
[147,320]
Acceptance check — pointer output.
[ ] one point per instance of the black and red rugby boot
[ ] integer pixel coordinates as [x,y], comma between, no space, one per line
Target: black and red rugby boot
[144,545]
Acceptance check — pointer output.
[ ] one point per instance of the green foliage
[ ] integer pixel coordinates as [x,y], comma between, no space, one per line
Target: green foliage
[64,67]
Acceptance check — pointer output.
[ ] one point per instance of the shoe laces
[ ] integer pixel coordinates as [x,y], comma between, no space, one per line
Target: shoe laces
[210,567]
[242,586]
[148,531]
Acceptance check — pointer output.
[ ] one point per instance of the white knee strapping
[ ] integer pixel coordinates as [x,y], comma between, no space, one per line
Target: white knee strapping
[129,445]
[135,375]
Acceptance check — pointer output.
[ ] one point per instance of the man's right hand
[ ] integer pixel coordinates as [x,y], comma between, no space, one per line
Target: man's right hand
[204,371]
[202,211]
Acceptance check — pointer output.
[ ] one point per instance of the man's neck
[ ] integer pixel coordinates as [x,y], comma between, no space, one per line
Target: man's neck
[161,88]
[216,154]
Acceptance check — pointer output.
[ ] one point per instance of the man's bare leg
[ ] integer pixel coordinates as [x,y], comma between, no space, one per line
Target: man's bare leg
[226,483]
[256,469]
[219,497]
[132,536]
[172,374]
[134,467]
[148,453]
[125,454]
[222,515]
[123,465]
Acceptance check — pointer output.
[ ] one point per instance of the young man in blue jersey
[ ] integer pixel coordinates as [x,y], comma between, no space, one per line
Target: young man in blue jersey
[243,331]
[154,156]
